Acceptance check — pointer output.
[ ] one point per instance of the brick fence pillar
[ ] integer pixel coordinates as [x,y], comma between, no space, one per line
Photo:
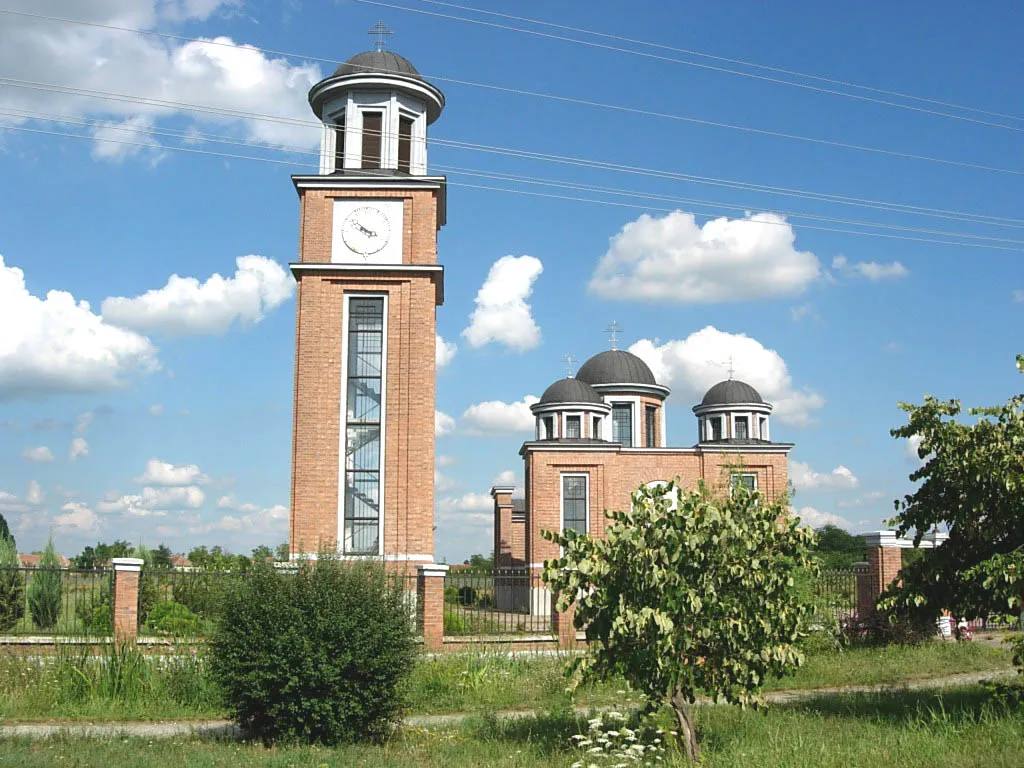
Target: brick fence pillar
[430,600]
[127,571]
[885,559]
[562,624]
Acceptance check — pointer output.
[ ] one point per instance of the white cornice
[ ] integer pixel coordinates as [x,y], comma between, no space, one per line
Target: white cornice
[725,448]
[573,406]
[435,271]
[633,388]
[369,181]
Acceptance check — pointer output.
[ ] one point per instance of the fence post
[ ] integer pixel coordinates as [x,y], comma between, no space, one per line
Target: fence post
[562,625]
[430,596]
[127,571]
[885,559]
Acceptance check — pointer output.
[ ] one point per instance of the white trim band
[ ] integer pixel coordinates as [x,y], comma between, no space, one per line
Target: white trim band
[128,564]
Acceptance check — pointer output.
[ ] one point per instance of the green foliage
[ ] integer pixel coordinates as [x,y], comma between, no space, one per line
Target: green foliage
[44,591]
[971,483]
[12,585]
[199,593]
[101,555]
[281,552]
[5,532]
[837,548]
[149,587]
[479,562]
[218,559]
[171,618]
[162,557]
[688,594]
[320,655]
[262,553]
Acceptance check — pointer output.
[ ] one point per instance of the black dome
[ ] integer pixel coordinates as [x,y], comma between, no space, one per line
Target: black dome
[378,62]
[616,366]
[731,392]
[569,391]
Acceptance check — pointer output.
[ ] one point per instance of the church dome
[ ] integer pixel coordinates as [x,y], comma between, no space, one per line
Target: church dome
[569,391]
[378,62]
[616,366]
[731,392]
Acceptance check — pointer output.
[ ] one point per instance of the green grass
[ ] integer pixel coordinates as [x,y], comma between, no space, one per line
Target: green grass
[959,727]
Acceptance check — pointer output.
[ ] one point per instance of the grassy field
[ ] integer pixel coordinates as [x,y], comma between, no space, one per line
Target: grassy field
[959,727]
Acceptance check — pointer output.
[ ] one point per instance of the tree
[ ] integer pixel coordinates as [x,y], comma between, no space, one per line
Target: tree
[282,551]
[480,562]
[688,593]
[5,531]
[262,553]
[971,482]
[837,548]
[162,556]
[101,555]
[12,585]
[44,593]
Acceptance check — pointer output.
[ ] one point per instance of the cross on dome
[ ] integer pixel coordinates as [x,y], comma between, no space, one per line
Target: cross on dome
[570,365]
[380,31]
[613,330]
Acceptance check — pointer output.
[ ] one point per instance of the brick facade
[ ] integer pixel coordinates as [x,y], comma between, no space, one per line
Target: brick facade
[408,463]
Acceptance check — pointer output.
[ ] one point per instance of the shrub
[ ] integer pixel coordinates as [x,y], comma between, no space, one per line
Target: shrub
[12,585]
[467,595]
[319,655]
[96,613]
[451,595]
[171,618]
[880,628]
[200,592]
[44,593]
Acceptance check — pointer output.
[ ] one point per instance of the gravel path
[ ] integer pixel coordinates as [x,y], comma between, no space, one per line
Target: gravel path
[225,729]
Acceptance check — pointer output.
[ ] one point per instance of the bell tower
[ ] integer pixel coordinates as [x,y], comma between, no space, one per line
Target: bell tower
[368,286]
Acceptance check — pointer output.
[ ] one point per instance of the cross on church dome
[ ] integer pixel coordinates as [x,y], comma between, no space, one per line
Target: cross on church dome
[381,32]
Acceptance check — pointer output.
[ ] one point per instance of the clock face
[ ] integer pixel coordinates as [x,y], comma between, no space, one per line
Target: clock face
[366,230]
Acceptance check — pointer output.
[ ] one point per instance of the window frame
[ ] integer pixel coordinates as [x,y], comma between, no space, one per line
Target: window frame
[381,112]
[735,476]
[562,498]
[621,406]
[736,418]
[651,426]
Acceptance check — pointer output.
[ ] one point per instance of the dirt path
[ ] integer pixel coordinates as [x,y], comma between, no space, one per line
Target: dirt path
[224,729]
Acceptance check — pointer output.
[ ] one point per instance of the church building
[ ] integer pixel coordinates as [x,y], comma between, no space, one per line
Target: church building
[602,434]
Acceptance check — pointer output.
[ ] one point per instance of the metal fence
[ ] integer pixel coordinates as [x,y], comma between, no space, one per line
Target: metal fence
[178,603]
[506,601]
[61,602]
[835,593]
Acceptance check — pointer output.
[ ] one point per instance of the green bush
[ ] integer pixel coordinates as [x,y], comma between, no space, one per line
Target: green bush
[467,595]
[44,593]
[170,618]
[12,585]
[200,592]
[319,655]
[96,613]
[451,595]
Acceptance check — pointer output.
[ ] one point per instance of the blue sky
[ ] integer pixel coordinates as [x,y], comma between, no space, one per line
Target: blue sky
[176,400]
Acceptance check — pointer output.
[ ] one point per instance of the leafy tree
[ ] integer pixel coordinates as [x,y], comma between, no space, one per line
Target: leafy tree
[282,552]
[480,562]
[162,556]
[99,556]
[971,482]
[12,585]
[689,593]
[44,593]
[837,548]
[5,532]
[262,553]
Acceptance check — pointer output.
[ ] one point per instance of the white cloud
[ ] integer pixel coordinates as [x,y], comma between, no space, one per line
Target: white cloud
[164,473]
[502,314]
[508,477]
[443,483]
[262,520]
[673,259]
[154,501]
[1018,296]
[812,517]
[445,461]
[187,307]
[231,78]
[868,498]
[870,270]
[77,517]
[41,454]
[83,421]
[470,508]
[155,410]
[497,417]
[444,351]
[692,365]
[803,312]
[911,449]
[34,495]
[804,478]
[57,345]
[443,424]
[78,448]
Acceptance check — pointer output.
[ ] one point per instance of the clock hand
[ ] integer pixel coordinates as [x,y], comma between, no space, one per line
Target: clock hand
[364,230]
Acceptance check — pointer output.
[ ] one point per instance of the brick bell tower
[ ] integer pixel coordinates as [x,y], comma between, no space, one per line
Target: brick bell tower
[368,286]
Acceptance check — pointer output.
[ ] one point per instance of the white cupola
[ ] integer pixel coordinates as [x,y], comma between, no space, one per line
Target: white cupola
[375,109]
[733,411]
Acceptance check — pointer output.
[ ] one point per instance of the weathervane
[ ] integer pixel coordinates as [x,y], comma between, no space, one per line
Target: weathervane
[380,31]
[613,331]
[570,363]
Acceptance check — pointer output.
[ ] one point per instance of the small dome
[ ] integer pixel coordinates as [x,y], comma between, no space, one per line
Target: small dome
[378,62]
[569,391]
[731,392]
[616,366]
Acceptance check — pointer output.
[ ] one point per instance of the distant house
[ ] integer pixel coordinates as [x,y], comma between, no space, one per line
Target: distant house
[32,561]
[182,563]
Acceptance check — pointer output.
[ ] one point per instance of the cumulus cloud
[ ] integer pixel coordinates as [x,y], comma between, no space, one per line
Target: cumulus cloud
[868,498]
[912,450]
[815,519]
[58,345]
[153,501]
[470,508]
[444,351]
[83,421]
[227,77]
[804,478]
[155,410]
[186,307]
[445,461]
[496,417]
[256,519]
[164,473]
[1018,296]
[78,448]
[692,365]
[502,315]
[508,477]
[41,454]
[443,424]
[34,495]
[673,259]
[77,517]
[870,270]
[443,483]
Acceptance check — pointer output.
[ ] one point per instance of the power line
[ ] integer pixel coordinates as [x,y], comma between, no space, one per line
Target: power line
[577,162]
[567,100]
[192,150]
[710,67]
[704,55]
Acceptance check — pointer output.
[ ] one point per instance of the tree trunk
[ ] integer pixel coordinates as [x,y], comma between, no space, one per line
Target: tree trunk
[687,735]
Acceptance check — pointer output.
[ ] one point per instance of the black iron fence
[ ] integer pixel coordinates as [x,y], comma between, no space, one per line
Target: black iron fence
[835,595]
[62,602]
[182,604]
[506,601]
